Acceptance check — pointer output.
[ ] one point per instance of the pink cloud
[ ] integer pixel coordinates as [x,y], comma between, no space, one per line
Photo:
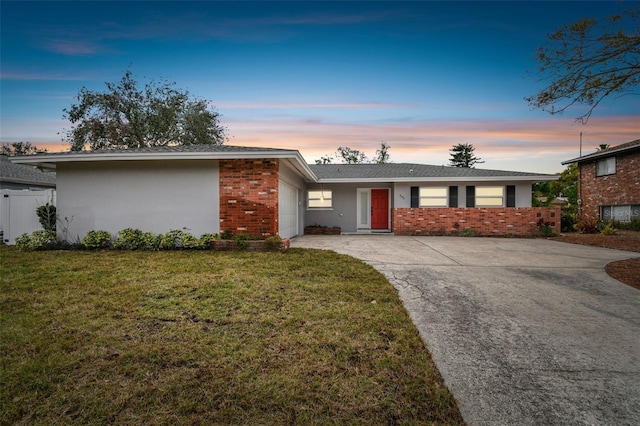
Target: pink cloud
[524,145]
[514,144]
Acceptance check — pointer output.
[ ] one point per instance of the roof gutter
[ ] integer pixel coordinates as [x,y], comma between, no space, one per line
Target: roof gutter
[532,178]
[600,154]
[49,161]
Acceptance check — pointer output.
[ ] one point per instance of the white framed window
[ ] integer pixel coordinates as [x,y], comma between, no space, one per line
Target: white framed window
[620,213]
[489,196]
[606,166]
[319,199]
[434,196]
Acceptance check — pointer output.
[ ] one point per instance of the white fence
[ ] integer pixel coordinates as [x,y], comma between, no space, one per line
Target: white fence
[18,211]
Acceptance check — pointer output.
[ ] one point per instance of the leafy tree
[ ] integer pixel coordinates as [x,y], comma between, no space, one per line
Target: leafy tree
[382,154]
[20,148]
[326,159]
[542,194]
[352,156]
[567,184]
[462,156]
[126,116]
[587,61]
[348,155]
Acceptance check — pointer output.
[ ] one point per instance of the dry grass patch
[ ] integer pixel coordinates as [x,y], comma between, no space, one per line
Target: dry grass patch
[305,337]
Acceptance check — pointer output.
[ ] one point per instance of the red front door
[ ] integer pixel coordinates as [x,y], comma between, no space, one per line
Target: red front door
[379,209]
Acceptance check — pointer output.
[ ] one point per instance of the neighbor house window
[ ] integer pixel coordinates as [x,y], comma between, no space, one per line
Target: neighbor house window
[606,166]
[320,199]
[489,196]
[620,213]
[434,197]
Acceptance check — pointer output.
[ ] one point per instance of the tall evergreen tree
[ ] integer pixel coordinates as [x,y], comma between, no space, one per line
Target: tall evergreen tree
[462,156]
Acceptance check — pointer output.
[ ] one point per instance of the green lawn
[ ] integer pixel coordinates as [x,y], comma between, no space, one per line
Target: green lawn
[200,337]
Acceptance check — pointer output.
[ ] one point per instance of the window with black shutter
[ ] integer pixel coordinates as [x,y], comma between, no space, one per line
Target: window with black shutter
[453,196]
[471,196]
[511,195]
[415,197]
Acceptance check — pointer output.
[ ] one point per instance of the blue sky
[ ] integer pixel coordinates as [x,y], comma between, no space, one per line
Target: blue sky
[313,76]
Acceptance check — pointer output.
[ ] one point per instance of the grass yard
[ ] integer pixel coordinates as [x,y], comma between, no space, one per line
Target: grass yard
[188,338]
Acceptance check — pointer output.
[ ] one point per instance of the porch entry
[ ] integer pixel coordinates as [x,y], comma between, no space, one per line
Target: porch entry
[373,208]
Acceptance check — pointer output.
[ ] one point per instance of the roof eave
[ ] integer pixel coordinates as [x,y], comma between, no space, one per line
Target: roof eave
[596,155]
[29,182]
[532,178]
[49,161]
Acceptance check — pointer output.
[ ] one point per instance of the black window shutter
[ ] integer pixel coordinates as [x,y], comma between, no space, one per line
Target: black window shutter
[471,196]
[453,196]
[415,197]
[511,195]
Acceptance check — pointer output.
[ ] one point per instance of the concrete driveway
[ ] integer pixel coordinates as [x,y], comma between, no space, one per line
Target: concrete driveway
[524,331]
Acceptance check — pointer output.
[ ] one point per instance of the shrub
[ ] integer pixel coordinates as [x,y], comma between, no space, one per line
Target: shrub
[189,241]
[274,242]
[588,225]
[568,221]
[135,239]
[205,240]
[37,240]
[47,217]
[170,240]
[632,225]
[96,240]
[609,229]
[242,241]
[177,239]
[227,234]
[467,233]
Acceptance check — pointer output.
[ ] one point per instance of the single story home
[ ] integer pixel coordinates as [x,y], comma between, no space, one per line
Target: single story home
[19,177]
[609,182]
[266,191]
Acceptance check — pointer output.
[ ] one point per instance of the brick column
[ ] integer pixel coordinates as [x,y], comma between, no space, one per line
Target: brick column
[249,196]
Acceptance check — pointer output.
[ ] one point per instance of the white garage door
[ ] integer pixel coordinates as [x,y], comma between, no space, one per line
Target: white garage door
[287,210]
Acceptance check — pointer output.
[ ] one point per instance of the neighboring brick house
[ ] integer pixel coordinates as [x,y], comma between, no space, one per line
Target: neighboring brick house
[263,192]
[609,182]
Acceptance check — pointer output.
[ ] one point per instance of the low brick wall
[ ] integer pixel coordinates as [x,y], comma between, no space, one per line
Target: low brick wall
[250,245]
[519,221]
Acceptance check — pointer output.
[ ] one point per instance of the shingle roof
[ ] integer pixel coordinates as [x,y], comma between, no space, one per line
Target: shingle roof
[18,173]
[167,149]
[625,147]
[407,171]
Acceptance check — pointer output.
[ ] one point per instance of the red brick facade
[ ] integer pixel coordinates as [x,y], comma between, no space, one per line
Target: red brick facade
[481,221]
[621,188]
[249,196]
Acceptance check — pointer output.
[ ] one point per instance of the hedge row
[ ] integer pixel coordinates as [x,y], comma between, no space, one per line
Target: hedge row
[127,239]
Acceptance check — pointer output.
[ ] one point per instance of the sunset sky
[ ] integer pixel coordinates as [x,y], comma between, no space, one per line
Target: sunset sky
[313,76]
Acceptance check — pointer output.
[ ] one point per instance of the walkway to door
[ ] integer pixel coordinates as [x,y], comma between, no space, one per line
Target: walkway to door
[524,331]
